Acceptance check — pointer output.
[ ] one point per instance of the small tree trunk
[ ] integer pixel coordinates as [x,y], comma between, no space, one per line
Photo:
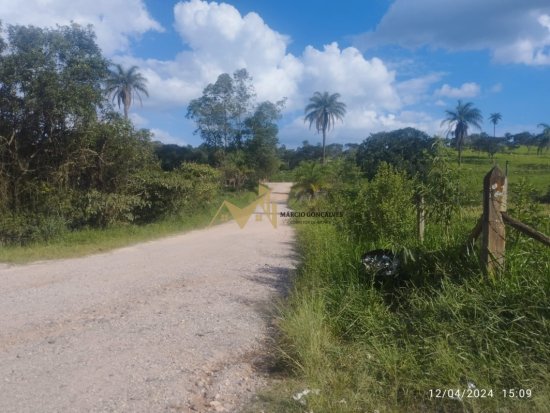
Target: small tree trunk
[324,137]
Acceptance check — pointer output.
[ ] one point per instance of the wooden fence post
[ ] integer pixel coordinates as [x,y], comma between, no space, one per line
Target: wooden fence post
[495,189]
[420,218]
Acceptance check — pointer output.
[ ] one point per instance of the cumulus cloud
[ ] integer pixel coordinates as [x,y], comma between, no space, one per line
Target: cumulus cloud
[221,40]
[363,82]
[166,137]
[416,89]
[138,120]
[467,90]
[217,38]
[514,31]
[115,21]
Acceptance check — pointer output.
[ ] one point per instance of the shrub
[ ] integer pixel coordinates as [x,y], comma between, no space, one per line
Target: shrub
[164,193]
[205,182]
[99,209]
[21,229]
[384,208]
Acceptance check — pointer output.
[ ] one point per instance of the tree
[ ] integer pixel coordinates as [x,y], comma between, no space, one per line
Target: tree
[484,143]
[122,85]
[544,139]
[495,118]
[50,91]
[458,121]
[324,110]
[407,149]
[261,147]
[221,111]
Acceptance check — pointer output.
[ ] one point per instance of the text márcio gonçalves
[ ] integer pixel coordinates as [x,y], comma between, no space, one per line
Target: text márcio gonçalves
[312,214]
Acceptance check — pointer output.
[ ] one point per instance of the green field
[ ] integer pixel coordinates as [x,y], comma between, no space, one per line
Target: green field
[522,164]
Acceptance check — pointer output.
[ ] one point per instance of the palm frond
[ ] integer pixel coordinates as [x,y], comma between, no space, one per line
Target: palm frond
[122,85]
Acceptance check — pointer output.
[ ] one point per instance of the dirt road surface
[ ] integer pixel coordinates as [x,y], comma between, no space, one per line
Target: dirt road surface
[173,325]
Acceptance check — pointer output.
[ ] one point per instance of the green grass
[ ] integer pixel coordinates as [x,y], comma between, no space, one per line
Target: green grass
[371,349]
[90,241]
[283,176]
[339,335]
[521,164]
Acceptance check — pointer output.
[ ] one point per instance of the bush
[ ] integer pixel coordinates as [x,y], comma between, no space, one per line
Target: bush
[164,193]
[205,182]
[384,209]
[99,209]
[21,229]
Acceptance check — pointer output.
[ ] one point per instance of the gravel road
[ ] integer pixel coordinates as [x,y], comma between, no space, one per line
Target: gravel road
[173,325]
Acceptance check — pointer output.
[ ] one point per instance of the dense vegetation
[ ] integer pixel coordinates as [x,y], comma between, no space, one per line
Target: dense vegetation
[365,342]
[67,160]
[70,162]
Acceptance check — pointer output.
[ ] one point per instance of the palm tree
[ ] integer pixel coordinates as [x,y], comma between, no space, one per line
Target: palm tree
[123,85]
[544,142]
[459,120]
[324,109]
[495,118]
[311,179]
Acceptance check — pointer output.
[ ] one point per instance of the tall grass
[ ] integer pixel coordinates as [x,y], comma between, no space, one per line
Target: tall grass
[340,335]
[444,326]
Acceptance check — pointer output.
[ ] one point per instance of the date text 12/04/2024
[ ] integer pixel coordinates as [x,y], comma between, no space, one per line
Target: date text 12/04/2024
[474,393]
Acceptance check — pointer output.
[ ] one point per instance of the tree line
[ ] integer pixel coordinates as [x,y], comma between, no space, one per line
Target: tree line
[68,160]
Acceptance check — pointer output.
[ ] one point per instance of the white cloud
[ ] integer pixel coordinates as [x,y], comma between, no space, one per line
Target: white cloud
[138,120]
[217,38]
[467,90]
[515,31]
[221,40]
[361,82]
[115,21]
[416,89]
[359,123]
[166,137]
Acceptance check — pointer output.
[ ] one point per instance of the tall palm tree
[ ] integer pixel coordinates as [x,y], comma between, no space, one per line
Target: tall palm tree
[323,110]
[544,142]
[458,121]
[495,118]
[122,85]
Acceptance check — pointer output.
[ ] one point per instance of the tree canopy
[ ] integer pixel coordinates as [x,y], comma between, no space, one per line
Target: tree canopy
[407,149]
[221,111]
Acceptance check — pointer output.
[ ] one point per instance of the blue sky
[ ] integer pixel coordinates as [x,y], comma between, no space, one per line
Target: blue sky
[396,63]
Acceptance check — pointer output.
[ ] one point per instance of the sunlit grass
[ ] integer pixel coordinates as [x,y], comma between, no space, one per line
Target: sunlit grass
[91,241]
[451,327]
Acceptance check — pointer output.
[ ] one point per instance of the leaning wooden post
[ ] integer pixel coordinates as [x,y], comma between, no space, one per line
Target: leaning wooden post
[420,218]
[493,243]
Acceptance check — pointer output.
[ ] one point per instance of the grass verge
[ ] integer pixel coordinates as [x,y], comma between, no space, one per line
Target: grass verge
[90,241]
[483,340]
